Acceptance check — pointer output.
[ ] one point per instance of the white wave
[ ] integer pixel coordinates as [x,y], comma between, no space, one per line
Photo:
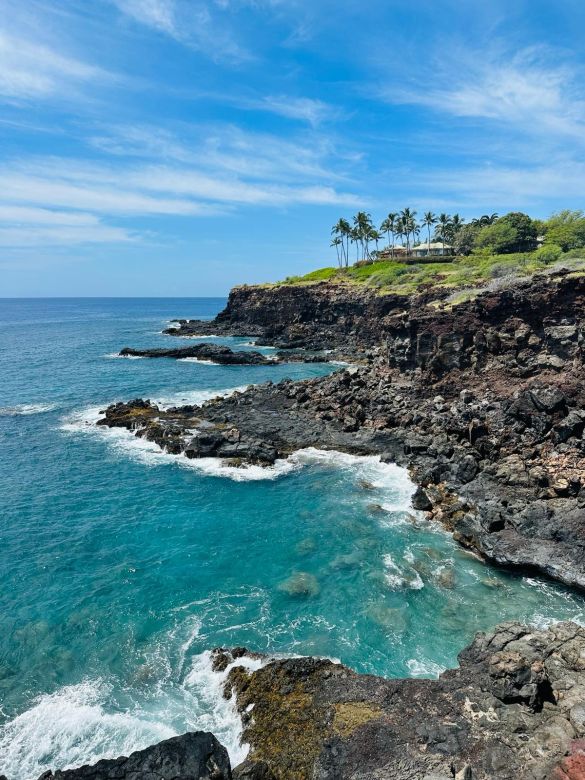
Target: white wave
[199,336]
[72,727]
[423,667]
[83,723]
[399,578]
[148,453]
[221,716]
[196,397]
[197,360]
[388,477]
[23,410]
[116,355]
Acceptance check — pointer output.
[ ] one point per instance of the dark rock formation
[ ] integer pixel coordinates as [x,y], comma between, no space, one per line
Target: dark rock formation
[513,710]
[211,352]
[193,756]
[225,356]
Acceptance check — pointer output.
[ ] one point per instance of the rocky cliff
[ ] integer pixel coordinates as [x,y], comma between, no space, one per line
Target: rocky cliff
[484,402]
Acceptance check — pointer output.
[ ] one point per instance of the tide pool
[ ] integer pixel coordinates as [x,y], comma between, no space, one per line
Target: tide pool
[121,567]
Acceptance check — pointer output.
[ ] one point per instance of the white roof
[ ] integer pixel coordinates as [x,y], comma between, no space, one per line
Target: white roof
[432,245]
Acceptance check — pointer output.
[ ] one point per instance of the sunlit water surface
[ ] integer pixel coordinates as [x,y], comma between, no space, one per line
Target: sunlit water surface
[120,567]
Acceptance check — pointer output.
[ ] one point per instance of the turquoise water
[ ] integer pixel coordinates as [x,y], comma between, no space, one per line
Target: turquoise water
[121,567]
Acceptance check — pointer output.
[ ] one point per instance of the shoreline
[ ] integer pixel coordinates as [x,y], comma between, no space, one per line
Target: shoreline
[483,404]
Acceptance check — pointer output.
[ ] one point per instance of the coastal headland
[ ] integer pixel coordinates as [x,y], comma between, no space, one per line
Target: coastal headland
[483,401]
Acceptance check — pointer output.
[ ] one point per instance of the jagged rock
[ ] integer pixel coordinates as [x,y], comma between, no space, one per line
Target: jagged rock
[212,352]
[421,501]
[193,756]
[504,713]
[439,391]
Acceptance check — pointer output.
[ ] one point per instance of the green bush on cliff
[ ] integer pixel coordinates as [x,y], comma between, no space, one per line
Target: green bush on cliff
[473,271]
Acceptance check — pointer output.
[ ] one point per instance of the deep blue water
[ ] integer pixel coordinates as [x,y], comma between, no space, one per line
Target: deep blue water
[121,567]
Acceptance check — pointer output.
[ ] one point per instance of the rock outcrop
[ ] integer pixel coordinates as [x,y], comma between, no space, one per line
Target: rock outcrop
[212,353]
[484,402]
[193,756]
[513,710]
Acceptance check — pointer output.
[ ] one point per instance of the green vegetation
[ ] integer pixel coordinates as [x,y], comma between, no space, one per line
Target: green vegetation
[465,257]
[466,275]
[450,235]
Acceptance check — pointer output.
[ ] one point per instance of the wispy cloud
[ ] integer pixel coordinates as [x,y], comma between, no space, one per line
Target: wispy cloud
[309,110]
[78,200]
[531,89]
[29,69]
[200,25]
[227,149]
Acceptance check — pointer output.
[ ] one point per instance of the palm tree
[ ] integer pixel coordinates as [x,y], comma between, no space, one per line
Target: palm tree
[375,236]
[408,218]
[486,219]
[354,237]
[345,228]
[456,224]
[443,228]
[341,230]
[362,225]
[337,242]
[399,228]
[429,220]
[388,226]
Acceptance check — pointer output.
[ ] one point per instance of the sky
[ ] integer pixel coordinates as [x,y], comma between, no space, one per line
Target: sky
[179,147]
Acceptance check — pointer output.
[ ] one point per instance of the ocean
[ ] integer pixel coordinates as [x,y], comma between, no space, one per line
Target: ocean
[122,567]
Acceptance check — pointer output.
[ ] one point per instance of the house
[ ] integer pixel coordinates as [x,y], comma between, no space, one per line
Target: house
[435,249]
[389,251]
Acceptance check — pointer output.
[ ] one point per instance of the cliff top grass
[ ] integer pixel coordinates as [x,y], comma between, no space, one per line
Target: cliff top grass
[465,276]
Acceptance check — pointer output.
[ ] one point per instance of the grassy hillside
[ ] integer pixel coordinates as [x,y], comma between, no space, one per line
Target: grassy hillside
[464,274]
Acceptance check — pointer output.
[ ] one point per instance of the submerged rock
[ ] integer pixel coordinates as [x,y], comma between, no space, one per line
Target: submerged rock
[300,584]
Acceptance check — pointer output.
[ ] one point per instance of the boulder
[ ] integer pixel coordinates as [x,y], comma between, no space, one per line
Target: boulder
[193,756]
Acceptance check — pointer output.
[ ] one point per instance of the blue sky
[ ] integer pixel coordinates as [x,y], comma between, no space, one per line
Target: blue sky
[178,147]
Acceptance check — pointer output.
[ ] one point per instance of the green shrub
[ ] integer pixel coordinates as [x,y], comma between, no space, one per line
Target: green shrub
[549,253]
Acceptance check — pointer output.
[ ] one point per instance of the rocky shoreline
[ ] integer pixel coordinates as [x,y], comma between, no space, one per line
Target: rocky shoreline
[514,709]
[224,356]
[483,401]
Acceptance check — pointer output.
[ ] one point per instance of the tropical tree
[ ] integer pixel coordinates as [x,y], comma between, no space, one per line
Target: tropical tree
[486,219]
[342,230]
[376,236]
[362,226]
[399,229]
[337,243]
[409,225]
[429,220]
[388,226]
[565,229]
[442,232]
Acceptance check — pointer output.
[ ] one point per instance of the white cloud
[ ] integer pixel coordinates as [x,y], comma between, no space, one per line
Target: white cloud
[531,90]
[33,70]
[63,235]
[159,14]
[519,187]
[57,201]
[305,109]
[227,150]
[202,26]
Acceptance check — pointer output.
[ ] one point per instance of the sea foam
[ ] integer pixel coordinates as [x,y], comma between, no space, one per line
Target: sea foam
[81,724]
[23,410]
[393,480]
